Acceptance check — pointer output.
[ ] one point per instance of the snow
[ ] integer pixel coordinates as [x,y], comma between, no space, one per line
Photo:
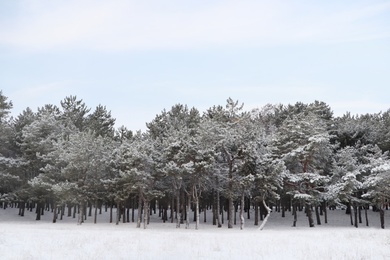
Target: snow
[25,238]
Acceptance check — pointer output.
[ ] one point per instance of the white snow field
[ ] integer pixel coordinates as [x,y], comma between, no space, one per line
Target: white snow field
[25,238]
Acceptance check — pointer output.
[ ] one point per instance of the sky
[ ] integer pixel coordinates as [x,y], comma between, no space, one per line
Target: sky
[140,57]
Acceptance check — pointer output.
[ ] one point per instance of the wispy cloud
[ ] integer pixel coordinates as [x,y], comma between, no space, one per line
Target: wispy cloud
[131,25]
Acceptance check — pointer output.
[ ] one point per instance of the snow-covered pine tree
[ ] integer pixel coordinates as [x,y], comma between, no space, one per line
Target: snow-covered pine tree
[377,182]
[172,131]
[233,134]
[346,184]
[303,142]
[101,122]
[74,112]
[83,159]
[138,173]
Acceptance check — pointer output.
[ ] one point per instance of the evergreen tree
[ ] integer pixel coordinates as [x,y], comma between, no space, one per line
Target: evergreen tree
[304,145]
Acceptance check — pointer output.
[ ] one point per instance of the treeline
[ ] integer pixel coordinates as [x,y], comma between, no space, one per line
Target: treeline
[71,158]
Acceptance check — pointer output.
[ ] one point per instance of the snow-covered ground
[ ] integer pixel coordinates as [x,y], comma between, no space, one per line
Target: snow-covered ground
[25,238]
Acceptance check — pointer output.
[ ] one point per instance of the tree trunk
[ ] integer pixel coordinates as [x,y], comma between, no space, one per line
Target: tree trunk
[123,211]
[242,220]
[111,213]
[230,196]
[350,213]
[95,216]
[318,215]
[309,214]
[188,209]
[62,211]
[214,208]
[197,212]
[382,217]
[182,207]
[172,208]
[118,213]
[325,213]
[248,207]
[55,215]
[81,213]
[266,217]
[256,213]
[355,211]
[90,210]
[235,212]
[178,214]
[204,212]
[222,211]
[146,212]
[218,210]
[38,211]
[366,214]
[132,210]
[139,215]
[295,213]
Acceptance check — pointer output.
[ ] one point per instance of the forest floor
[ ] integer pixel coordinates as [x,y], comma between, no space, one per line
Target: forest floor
[26,238]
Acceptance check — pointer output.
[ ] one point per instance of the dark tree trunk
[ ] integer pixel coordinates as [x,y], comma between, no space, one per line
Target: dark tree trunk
[325,213]
[366,214]
[111,206]
[219,211]
[222,215]
[118,213]
[182,207]
[90,210]
[172,208]
[295,214]
[318,215]
[382,217]
[55,215]
[248,208]
[214,208]
[38,211]
[204,213]
[123,211]
[256,213]
[95,216]
[235,213]
[350,213]
[355,211]
[262,214]
[74,211]
[22,206]
[132,210]
[69,210]
[309,214]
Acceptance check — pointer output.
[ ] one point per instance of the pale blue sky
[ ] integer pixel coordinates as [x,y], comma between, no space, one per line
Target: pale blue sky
[139,57]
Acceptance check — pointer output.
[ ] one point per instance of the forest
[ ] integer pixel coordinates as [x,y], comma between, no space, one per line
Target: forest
[71,160]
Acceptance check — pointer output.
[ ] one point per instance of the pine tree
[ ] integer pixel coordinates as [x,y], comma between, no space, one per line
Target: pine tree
[303,143]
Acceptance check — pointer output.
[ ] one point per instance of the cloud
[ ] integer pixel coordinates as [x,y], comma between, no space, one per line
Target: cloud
[131,25]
